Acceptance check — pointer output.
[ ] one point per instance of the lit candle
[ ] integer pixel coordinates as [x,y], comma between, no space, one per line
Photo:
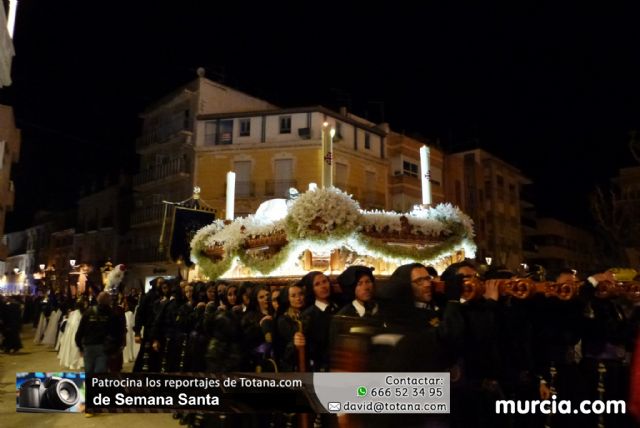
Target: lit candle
[11,19]
[231,193]
[327,155]
[426,175]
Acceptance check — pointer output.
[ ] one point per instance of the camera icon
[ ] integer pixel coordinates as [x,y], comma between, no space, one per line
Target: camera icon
[53,393]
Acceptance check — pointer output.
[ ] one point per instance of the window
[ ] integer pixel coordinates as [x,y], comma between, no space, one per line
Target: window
[244,186]
[285,124]
[245,127]
[488,189]
[283,175]
[210,133]
[225,132]
[367,141]
[341,174]
[338,135]
[370,180]
[410,168]
[512,193]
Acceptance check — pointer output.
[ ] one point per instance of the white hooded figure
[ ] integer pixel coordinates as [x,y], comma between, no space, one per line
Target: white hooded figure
[131,349]
[69,354]
[51,332]
[114,279]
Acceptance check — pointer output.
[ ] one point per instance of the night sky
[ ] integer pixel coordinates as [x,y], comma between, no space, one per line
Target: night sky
[553,91]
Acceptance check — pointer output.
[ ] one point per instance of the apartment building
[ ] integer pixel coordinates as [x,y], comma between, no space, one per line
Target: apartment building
[489,191]
[166,149]
[9,154]
[405,187]
[562,246]
[276,149]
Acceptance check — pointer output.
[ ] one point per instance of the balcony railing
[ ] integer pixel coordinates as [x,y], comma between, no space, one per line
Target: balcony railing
[279,188]
[406,179]
[162,133]
[150,214]
[158,172]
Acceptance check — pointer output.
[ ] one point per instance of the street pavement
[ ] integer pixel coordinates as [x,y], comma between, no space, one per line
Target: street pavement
[39,358]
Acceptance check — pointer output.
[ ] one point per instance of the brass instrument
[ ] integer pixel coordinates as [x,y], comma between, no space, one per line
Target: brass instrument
[519,288]
[624,283]
[628,289]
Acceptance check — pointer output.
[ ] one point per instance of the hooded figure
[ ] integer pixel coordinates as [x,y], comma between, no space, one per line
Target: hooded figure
[418,345]
[319,312]
[357,284]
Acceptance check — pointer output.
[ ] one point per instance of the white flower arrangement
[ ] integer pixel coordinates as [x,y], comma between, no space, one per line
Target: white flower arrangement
[197,243]
[323,220]
[391,221]
[323,214]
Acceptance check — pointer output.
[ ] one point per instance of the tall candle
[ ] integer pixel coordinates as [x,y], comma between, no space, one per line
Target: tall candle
[426,175]
[327,155]
[231,194]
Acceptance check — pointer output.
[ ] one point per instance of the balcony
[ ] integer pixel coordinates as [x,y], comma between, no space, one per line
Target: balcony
[176,168]
[162,134]
[147,215]
[279,188]
[405,179]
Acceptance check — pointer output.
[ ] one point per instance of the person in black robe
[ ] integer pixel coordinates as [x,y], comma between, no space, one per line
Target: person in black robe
[518,377]
[557,331]
[607,339]
[407,311]
[257,330]
[147,359]
[318,314]
[11,323]
[224,351]
[166,334]
[358,285]
[413,336]
[475,386]
[186,322]
[291,330]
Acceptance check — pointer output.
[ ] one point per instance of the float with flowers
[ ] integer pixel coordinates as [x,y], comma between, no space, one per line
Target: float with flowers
[325,229]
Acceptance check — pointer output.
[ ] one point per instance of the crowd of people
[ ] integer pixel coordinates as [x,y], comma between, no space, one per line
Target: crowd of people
[494,346]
